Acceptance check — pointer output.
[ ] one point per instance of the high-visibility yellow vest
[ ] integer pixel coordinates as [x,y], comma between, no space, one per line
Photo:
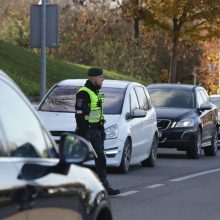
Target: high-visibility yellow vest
[96,112]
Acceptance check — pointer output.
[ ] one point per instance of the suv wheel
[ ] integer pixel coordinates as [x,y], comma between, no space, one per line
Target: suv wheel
[126,157]
[150,161]
[212,150]
[195,151]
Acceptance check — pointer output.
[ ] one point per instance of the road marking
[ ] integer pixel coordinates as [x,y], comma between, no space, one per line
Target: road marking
[127,193]
[195,175]
[154,186]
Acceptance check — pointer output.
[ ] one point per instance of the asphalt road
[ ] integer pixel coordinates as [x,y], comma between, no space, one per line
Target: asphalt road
[177,188]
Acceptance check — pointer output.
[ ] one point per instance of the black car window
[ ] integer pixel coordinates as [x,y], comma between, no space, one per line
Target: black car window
[22,129]
[142,98]
[133,100]
[63,99]
[166,97]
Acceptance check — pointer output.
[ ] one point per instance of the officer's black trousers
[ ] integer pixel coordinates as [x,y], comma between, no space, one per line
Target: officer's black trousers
[97,141]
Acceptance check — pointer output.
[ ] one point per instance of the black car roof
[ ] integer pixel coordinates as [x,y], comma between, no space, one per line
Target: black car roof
[173,86]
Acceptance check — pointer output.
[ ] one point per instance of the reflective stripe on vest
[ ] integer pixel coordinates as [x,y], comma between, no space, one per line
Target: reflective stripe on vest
[96,112]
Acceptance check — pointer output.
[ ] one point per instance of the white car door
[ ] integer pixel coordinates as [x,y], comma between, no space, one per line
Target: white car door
[138,133]
[147,125]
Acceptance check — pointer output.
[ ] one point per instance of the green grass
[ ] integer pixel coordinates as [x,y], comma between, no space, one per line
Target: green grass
[23,66]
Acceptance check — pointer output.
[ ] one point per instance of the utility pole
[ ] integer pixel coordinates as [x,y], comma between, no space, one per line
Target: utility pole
[44,33]
[43,48]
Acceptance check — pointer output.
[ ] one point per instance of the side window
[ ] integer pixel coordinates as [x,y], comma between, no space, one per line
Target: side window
[199,98]
[142,98]
[148,98]
[133,100]
[22,129]
[204,95]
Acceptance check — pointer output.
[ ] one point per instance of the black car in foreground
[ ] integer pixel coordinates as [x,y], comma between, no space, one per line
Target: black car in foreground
[37,182]
[186,118]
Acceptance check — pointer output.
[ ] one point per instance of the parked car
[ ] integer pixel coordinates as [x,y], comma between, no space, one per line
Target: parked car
[215,99]
[186,117]
[36,183]
[131,127]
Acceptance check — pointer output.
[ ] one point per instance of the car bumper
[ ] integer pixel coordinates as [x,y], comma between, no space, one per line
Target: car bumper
[113,152]
[181,139]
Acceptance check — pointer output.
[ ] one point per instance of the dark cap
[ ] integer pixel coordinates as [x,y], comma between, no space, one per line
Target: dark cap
[95,71]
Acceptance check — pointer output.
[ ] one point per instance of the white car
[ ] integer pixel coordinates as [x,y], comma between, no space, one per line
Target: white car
[131,126]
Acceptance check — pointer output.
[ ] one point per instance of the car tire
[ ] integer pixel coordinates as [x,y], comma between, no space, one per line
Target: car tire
[212,150]
[126,157]
[195,151]
[151,160]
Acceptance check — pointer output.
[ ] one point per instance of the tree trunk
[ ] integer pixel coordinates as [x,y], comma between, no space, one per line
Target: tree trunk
[173,63]
[175,41]
[136,21]
[136,28]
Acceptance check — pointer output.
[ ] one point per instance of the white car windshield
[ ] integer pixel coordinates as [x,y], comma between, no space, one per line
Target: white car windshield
[171,98]
[63,98]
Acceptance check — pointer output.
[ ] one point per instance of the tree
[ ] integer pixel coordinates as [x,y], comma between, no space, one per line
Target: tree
[208,71]
[183,20]
[15,24]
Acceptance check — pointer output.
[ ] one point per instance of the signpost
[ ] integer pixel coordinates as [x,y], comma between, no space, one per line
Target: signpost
[44,33]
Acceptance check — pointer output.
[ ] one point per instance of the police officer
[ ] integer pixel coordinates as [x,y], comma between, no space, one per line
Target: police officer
[90,121]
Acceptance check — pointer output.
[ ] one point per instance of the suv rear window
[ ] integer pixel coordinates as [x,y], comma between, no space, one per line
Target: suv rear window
[171,98]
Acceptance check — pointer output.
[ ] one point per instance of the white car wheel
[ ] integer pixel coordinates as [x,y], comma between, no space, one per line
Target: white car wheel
[150,161]
[126,157]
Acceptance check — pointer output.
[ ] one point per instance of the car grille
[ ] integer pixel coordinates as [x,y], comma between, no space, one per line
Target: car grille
[163,123]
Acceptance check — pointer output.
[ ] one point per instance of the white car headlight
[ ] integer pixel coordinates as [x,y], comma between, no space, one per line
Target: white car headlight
[186,122]
[111,132]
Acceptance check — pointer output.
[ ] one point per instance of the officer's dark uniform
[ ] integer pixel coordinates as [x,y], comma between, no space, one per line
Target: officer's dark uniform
[94,132]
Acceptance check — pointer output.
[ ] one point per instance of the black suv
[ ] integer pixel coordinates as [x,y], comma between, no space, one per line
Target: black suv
[186,118]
